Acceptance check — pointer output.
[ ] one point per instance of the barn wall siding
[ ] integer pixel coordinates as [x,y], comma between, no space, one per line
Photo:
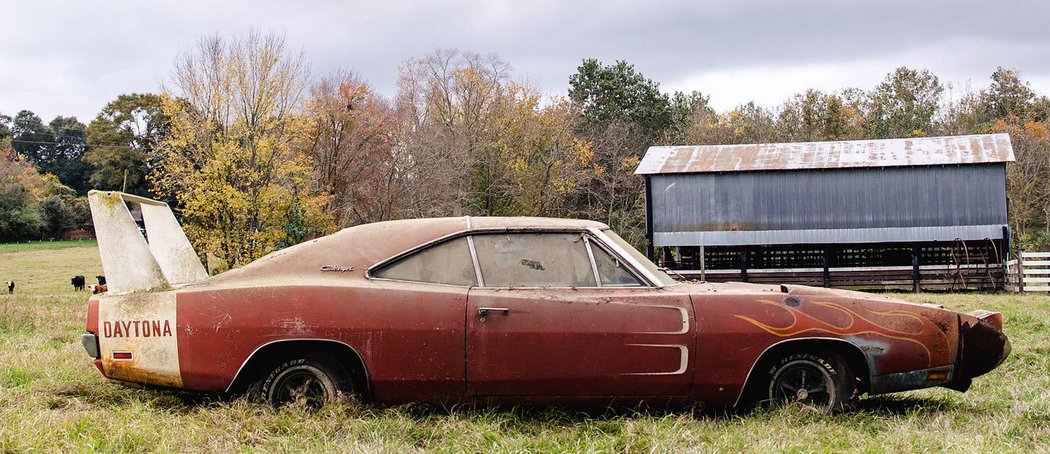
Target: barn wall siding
[905,201]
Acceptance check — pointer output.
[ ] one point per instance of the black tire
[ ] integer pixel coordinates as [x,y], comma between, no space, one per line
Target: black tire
[312,381]
[822,381]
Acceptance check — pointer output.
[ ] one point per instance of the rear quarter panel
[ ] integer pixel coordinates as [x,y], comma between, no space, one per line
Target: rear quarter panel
[409,336]
[142,327]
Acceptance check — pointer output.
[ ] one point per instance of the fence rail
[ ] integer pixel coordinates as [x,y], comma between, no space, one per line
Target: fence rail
[1029,273]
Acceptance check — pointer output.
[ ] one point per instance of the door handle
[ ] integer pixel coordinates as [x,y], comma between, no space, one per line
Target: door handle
[484,311]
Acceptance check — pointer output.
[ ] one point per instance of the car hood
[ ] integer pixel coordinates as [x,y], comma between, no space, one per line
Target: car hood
[790,310]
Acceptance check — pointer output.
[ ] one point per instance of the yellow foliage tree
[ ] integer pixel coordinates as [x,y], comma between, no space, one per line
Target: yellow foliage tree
[1026,181]
[229,163]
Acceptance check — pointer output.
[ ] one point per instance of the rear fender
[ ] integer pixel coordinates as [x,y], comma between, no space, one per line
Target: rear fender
[276,351]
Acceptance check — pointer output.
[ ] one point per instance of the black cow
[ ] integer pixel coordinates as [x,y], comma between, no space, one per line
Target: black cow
[101,280]
[10,287]
[78,283]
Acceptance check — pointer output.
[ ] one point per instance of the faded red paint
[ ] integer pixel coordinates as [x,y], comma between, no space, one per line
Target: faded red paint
[409,336]
[669,345]
[577,342]
[92,315]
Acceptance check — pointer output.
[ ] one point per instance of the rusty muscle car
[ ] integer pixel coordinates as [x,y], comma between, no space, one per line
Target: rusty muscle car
[500,310]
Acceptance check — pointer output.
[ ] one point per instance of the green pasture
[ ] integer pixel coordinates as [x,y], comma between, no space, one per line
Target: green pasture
[53,400]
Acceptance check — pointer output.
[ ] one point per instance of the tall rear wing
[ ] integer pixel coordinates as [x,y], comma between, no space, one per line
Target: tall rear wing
[132,263]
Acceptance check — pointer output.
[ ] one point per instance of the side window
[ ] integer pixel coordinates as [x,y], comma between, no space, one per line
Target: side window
[612,271]
[444,263]
[534,260]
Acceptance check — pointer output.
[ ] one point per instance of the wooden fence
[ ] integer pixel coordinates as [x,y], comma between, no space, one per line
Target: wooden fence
[1029,273]
[880,278]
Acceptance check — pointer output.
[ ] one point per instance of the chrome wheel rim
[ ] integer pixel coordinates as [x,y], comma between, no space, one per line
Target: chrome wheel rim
[805,383]
[302,384]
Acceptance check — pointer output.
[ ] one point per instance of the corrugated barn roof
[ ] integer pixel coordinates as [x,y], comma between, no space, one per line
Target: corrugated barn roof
[923,151]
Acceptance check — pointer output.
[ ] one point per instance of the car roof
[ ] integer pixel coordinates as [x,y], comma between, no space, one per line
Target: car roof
[495,222]
[362,246]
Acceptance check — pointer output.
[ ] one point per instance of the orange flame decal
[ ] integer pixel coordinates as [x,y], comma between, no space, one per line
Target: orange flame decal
[857,325]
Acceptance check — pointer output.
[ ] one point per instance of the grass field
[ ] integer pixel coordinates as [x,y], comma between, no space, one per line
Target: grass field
[52,398]
[37,245]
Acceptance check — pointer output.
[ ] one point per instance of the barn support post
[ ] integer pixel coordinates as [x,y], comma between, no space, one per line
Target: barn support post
[703,265]
[915,275]
[1020,271]
[827,267]
[1007,243]
[667,258]
[745,259]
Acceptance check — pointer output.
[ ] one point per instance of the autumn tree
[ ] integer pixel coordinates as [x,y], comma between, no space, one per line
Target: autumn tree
[31,138]
[816,116]
[56,148]
[349,132]
[904,104]
[62,209]
[1007,96]
[692,119]
[5,127]
[123,141]
[448,104]
[545,162]
[21,187]
[229,160]
[1027,178]
[621,113]
[67,155]
[618,93]
[748,123]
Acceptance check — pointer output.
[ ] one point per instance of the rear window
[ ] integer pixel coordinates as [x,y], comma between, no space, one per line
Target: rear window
[444,263]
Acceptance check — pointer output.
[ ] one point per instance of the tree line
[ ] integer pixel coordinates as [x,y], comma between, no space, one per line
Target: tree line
[254,153]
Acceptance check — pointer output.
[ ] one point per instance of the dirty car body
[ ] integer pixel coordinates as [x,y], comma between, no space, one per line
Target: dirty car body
[519,310]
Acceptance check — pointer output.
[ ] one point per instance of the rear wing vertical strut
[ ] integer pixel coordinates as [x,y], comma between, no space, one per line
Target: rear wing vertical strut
[132,263]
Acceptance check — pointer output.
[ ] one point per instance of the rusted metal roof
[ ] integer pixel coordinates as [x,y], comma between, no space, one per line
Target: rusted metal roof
[923,151]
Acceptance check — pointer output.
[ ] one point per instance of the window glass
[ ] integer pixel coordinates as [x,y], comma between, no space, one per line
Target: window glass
[445,263]
[639,257]
[612,271]
[534,260]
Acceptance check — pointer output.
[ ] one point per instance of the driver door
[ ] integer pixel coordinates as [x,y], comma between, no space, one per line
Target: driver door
[558,314]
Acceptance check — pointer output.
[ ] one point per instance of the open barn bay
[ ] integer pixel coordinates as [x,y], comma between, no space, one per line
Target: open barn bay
[52,398]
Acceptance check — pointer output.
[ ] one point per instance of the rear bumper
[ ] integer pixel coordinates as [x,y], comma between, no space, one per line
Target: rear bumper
[90,343]
[90,339]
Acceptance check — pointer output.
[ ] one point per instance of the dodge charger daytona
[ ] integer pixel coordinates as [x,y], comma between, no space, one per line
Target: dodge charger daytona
[500,310]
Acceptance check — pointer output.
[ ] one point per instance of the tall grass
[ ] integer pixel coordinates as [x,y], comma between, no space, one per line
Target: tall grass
[52,399]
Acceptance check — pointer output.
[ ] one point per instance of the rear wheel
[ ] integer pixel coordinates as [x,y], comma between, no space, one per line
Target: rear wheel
[311,381]
[818,380]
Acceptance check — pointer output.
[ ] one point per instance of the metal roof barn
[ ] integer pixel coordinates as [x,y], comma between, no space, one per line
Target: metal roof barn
[871,191]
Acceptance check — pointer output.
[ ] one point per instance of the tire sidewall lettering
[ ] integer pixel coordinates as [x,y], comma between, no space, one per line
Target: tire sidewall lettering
[267,384]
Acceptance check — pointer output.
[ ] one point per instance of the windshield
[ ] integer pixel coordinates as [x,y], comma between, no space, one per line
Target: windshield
[639,257]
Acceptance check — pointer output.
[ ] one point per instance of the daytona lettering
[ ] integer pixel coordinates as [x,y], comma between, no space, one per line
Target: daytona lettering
[137,328]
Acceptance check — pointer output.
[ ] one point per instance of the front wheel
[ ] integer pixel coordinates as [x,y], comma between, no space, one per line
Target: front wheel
[820,381]
[311,381]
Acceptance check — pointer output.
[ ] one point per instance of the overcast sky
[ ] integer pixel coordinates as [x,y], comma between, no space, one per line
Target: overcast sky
[72,57]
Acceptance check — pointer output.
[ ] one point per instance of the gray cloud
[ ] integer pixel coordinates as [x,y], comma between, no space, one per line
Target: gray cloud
[73,58]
